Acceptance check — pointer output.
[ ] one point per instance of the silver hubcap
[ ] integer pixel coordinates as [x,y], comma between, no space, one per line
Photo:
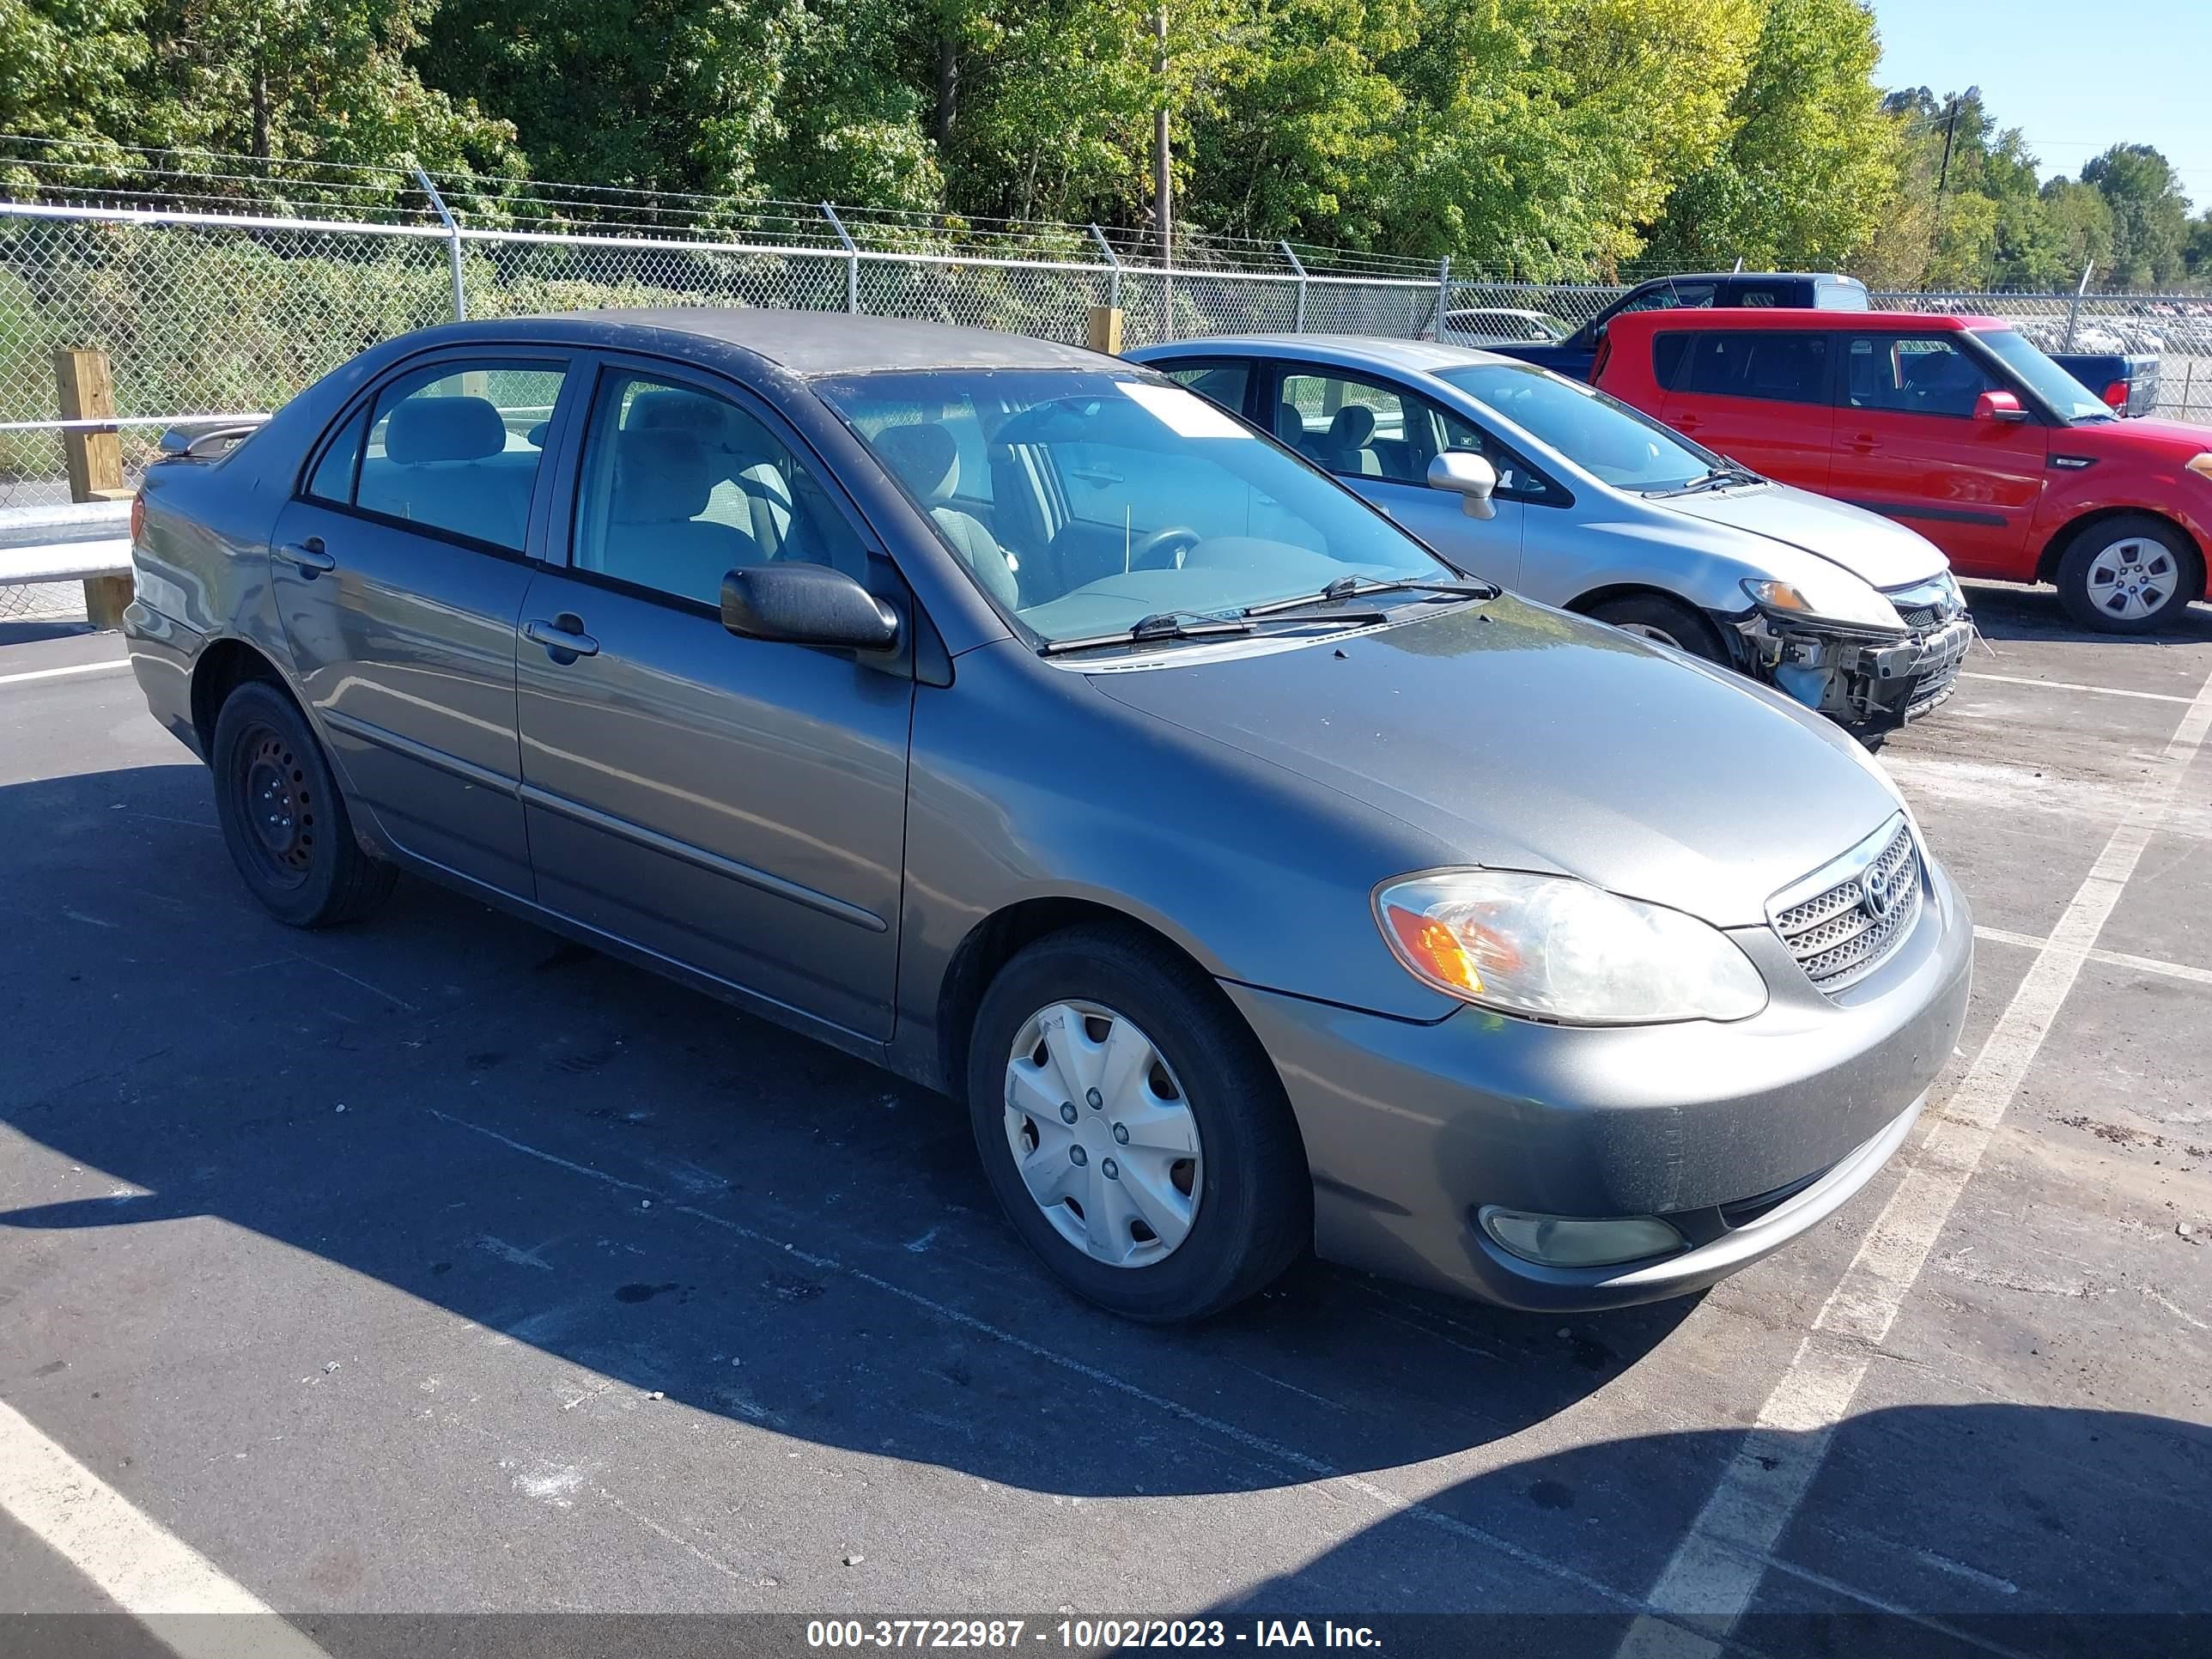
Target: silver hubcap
[1649,631]
[2133,578]
[1103,1134]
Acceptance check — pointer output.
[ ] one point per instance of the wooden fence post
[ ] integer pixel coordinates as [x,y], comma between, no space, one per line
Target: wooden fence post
[94,455]
[1106,330]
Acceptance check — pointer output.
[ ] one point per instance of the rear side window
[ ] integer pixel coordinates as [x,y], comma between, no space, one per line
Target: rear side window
[1667,352]
[1221,383]
[1834,293]
[1777,366]
[453,448]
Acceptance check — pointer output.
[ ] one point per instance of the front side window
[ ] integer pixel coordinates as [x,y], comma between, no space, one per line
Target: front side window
[1105,497]
[681,486]
[1598,433]
[454,448]
[2066,397]
[1774,365]
[1672,296]
[1912,374]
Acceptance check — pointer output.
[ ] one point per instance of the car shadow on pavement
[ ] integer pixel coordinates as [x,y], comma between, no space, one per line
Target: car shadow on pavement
[2007,611]
[642,1182]
[1925,1530]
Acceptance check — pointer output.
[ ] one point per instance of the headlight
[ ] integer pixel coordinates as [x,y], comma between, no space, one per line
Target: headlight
[1848,603]
[1551,947]
[2201,464]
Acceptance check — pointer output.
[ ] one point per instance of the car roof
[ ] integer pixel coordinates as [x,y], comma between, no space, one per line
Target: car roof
[804,342]
[1342,351]
[1874,322]
[1754,277]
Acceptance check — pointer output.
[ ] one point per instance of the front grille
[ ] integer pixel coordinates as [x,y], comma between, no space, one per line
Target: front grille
[1858,910]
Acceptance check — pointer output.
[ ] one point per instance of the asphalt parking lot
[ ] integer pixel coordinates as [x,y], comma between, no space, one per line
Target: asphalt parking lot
[439,1266]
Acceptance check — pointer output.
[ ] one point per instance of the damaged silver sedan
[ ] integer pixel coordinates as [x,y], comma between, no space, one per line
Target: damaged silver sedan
[1571,497]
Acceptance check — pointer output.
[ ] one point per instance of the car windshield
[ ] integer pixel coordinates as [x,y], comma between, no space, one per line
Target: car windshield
[1084,501]
[2067,398]
[1600,434]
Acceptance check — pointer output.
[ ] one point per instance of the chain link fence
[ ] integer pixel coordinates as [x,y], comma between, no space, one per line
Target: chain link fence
[206,313]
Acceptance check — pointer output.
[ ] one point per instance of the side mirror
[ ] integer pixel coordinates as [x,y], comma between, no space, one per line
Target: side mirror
[1998,406]
[1471,476]
[806,605]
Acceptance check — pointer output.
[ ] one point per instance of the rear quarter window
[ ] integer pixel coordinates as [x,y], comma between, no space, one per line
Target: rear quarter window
[1669,353]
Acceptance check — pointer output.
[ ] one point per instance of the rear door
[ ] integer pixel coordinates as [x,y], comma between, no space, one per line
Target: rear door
[1758,395]
[1379,437]
[1907,445]
[398,573]
[735,806]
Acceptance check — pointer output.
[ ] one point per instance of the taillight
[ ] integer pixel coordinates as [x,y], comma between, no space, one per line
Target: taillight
[1597,363]
[138,518]
[2116,395]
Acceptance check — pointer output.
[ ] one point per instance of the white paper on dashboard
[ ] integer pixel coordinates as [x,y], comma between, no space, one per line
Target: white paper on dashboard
[1186,414]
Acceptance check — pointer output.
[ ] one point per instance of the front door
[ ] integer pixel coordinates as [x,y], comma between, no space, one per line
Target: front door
[398,573]
[1379,438]
[734,805]
[1907,445]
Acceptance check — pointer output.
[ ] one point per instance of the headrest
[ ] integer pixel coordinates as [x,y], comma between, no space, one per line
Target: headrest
[670,408]
[422,429]
[662,476]
[924,457]
[1353,425]
[1290,425]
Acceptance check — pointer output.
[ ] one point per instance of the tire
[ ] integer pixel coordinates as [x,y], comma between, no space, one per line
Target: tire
[1655,616]
[2131,573]
[282,817]
[1248,1212]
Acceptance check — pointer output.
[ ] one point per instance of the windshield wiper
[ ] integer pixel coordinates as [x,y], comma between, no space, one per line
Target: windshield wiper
[1358,587]
[1172,625]
[1717,477]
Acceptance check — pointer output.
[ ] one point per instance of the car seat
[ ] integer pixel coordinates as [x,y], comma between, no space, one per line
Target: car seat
[664,479]
[441,470]
[1345,449]
[925,458]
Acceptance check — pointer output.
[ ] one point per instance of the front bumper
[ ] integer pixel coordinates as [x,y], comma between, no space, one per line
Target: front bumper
[1859,681]
[1411,1129]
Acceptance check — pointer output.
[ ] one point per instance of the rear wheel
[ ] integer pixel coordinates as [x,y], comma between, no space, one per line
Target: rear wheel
[1134,1130]
[281,816]
[1655,616]
[2128,574]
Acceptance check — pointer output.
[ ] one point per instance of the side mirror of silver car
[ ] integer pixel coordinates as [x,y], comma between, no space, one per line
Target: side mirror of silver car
[1472,476]
[806,605]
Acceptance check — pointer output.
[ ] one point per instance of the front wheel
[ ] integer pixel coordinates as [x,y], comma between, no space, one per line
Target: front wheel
[1669,622]
[2128,574]
[281,816]
[1134,1130]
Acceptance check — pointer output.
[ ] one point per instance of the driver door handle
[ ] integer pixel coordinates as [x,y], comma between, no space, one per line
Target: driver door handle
[564,637]
[308,556]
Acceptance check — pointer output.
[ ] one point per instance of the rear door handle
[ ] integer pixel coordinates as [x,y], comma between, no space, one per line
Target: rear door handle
[308,556]
[563,638]
[1684,423]
[1865,443]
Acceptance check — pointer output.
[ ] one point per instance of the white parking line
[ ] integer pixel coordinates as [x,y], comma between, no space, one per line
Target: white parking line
[1716,1570]
[62,673]
[185,1600]
[2108,958]
[2070,685]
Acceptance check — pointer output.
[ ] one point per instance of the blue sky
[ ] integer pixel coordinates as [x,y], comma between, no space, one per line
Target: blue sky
[2073,76]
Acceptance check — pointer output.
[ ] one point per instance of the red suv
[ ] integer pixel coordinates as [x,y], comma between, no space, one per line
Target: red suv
[1956,426]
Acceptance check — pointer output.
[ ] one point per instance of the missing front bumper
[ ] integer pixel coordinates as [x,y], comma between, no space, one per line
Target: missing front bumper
[1858,681]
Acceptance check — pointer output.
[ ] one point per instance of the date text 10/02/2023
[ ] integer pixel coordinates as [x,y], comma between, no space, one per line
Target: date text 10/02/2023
[1083,1635]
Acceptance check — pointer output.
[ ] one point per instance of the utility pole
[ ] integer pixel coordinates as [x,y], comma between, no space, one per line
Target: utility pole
[1162,176]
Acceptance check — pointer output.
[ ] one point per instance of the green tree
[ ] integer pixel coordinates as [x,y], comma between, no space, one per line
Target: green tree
[66,67]
[1810,166]
[2150,215]
[2197,253]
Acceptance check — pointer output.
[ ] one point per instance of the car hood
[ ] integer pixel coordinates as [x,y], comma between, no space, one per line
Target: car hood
[1521,738]
[2174,440]
[1877,550]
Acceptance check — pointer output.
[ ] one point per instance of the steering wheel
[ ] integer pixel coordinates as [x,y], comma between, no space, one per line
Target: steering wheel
[1152,553]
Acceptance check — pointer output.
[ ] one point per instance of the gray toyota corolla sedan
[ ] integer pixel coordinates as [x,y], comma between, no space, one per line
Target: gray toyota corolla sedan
[1012,717]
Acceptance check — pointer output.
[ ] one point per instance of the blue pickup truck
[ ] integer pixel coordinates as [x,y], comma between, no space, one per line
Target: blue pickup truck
[2127,382]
